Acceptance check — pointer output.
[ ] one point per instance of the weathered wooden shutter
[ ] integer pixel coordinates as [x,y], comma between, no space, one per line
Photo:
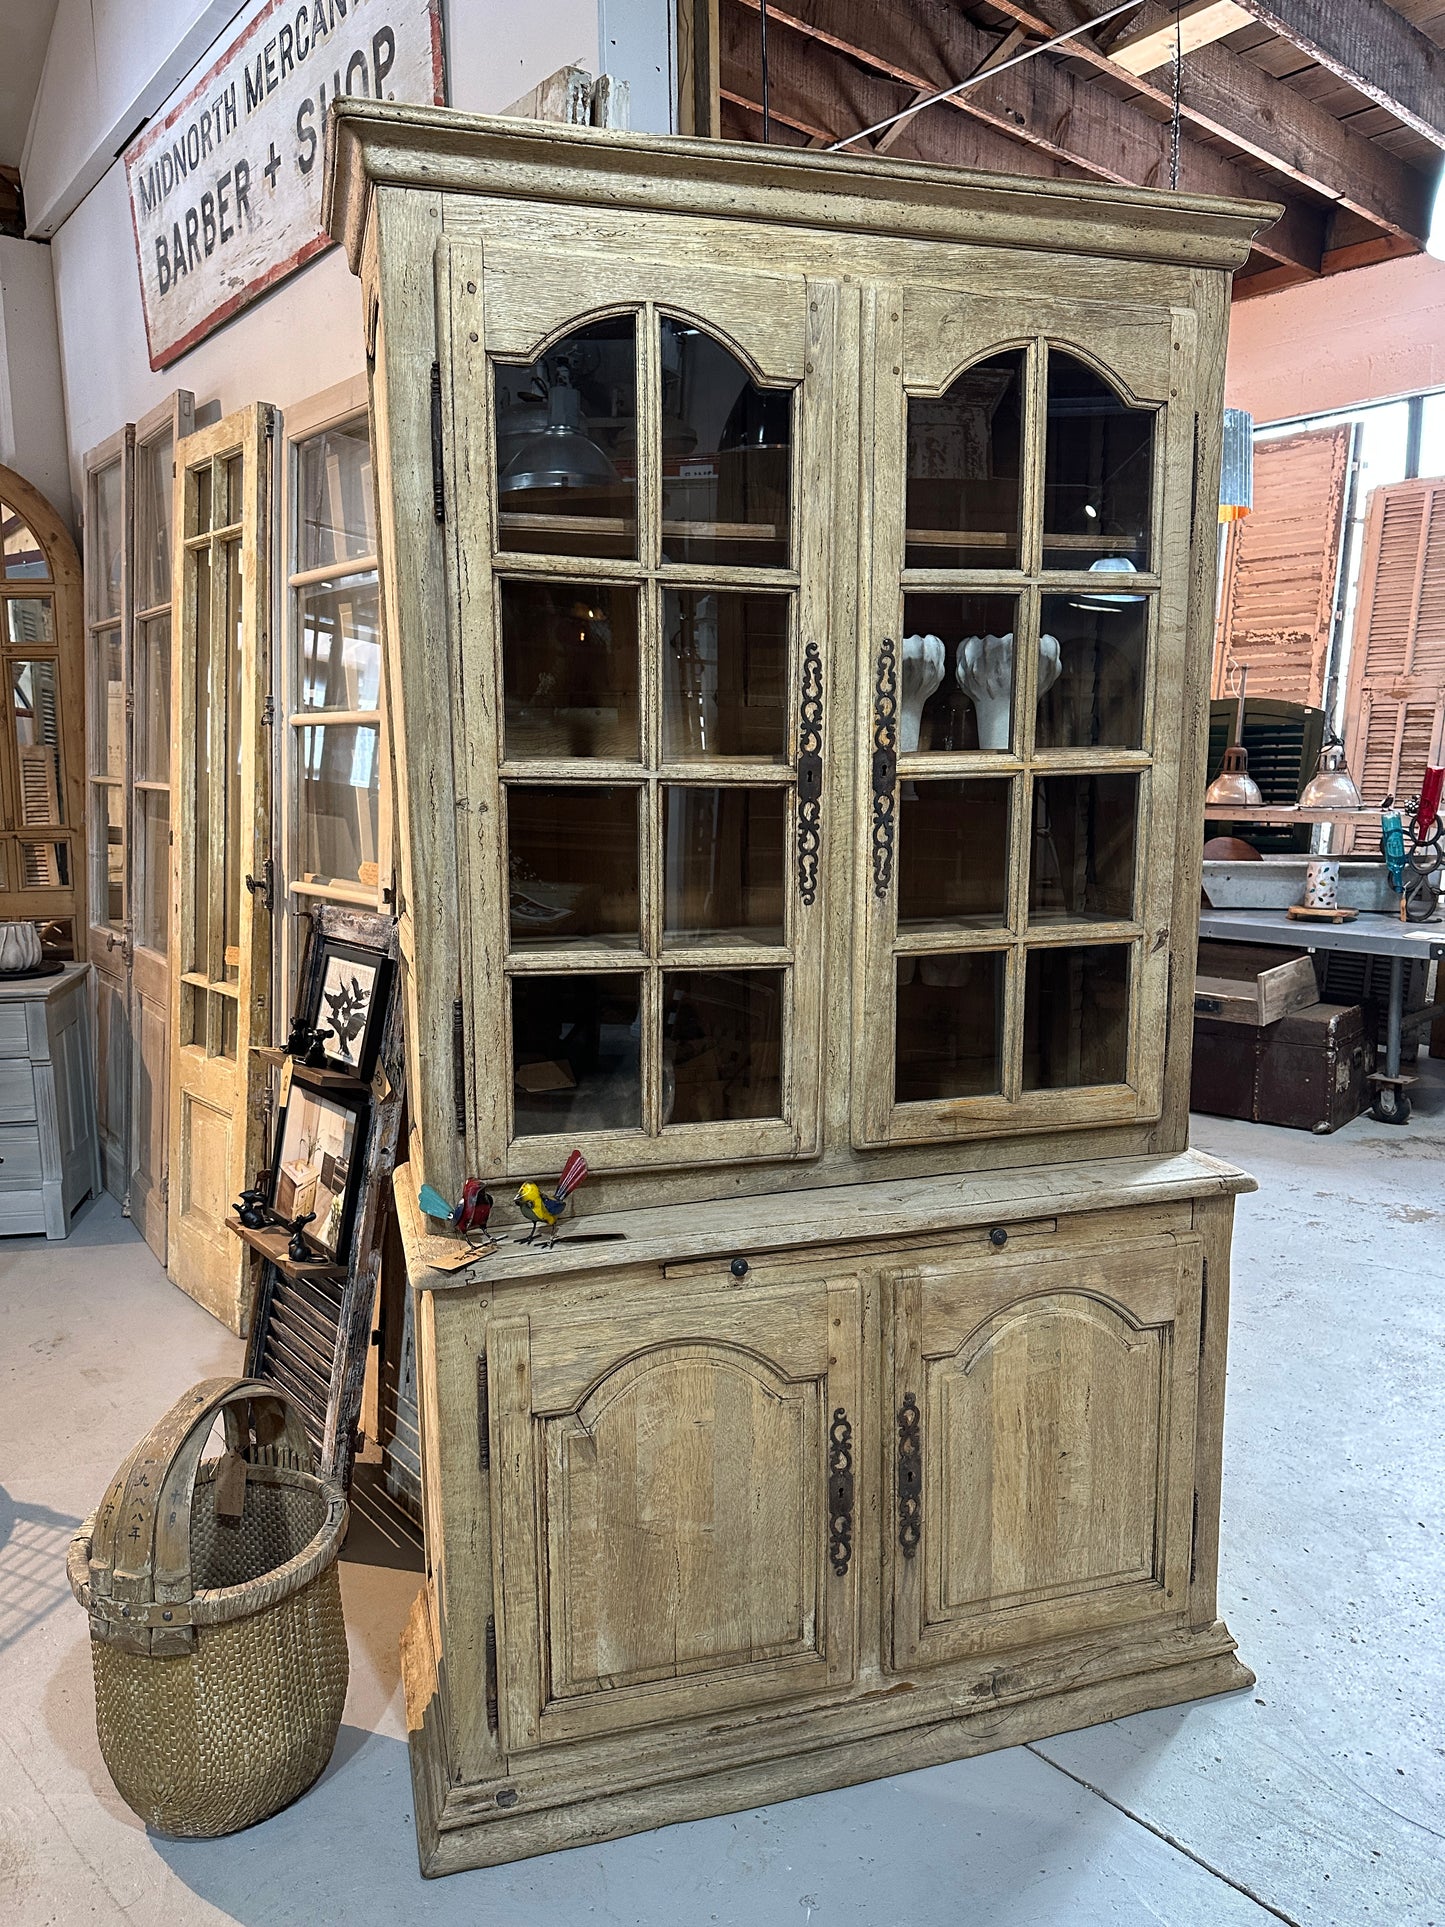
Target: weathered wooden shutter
[1277,603]
[1395,701]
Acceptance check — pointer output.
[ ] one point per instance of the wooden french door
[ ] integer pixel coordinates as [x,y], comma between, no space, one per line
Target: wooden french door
[129,488]
[220,797]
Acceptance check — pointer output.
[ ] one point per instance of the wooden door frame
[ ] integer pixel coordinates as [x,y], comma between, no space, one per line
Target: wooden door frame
[249,433]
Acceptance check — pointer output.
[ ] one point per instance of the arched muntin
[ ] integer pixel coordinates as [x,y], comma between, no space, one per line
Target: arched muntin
[42,777]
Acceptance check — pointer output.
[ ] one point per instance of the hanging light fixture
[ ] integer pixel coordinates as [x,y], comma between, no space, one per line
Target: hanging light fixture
[1234,787]
[1236,473]
[1331,787]
[561,455]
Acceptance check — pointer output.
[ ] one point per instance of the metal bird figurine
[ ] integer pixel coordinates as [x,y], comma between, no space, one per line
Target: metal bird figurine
[544,1210]
[470,1213]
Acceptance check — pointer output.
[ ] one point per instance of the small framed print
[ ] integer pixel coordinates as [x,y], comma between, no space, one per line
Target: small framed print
[352,986]
[318,1164]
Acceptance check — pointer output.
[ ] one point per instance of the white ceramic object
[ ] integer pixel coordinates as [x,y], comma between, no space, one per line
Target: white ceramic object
[1322,886]
[924,662]
[19,947]
[986,676]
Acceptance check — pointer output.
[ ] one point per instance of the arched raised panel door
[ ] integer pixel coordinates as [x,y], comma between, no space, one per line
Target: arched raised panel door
[1033,512]
[647,559]
[1050,1404]
[669,1503]
[220,804]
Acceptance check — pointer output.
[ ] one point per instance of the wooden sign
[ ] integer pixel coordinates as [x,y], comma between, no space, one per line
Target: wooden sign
[225,188]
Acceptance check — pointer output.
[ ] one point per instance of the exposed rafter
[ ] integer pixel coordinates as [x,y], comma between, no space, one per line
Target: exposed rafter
[1040,104]
[1196,24]
[1227,95]
[1378,51]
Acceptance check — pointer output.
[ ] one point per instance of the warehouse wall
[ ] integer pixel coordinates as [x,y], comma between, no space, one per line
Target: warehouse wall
[1361,336]
[32,406]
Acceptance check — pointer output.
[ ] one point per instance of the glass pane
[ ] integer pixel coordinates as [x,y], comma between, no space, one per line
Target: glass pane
[108,719]
[104,561]
[572,861]
[57,938]
[29,619]
[1098,471]
[153,870]
[721,1045]
[949,1040]
[963,470]
[569,669]
[1083,854]
[576,1053]
[335,505]
[24,557]
[1093,653]
[202,500]
[725,675]
[953,841]
[723,865]
[4,863]
[956,674]
[340,644]
[727,456]
[151,736]
[230,1026]
[207,748]
[36,700]
[237,835]
[338,803]
[1076,1017]
[235,473]
[153,522]
[567,445]
[46,866]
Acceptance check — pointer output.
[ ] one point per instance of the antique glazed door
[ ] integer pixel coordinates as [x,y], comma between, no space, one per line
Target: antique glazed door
[220,790]
[1029,589]
[647,577]
[667,1498]
[1043,1446]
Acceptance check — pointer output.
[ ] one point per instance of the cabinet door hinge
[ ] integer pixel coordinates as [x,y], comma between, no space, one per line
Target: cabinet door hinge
[459,1068]
[910,1475]
[484,1416]
[491,1686]
[268,713]
[1194,1540]
[438,486]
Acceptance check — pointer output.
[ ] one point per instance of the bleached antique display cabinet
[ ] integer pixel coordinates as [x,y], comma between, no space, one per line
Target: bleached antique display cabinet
[799,580]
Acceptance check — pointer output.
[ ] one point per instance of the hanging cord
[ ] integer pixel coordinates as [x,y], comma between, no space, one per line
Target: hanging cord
[974,80]
[1178,91]
[763,41]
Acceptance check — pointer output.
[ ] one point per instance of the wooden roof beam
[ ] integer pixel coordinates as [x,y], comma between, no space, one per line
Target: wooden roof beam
[1040,104]
[1378,51]
[1229,96]
[1197,24]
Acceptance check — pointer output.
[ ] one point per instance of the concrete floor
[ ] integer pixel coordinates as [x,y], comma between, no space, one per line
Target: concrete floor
[1319,1797]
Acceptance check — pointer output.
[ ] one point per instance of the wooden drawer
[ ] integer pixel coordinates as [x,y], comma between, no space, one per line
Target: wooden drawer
[17,1091]
[20,1151]
[14,1032]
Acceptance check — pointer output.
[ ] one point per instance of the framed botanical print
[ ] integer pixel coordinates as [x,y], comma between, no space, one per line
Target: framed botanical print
[318,1166]
[352,984]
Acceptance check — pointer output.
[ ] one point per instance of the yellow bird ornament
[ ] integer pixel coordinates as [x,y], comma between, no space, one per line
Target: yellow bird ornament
[544,1210]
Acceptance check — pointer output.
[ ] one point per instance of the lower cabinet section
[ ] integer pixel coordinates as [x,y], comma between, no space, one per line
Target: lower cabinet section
[706,1533]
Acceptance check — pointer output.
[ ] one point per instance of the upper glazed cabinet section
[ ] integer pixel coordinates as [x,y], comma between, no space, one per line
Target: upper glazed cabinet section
[1032,526]
[655,540]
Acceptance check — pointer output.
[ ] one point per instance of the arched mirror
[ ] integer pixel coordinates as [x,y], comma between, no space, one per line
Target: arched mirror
[40,764]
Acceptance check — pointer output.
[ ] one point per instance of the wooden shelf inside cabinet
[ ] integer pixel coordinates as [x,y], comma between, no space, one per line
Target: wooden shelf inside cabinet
[1282,815]
[321,1079]
[271,1244]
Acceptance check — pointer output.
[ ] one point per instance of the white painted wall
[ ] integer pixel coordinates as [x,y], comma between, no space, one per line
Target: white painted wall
[32,409]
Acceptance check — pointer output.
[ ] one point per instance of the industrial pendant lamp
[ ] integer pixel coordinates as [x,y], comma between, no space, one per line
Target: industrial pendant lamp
[561,455]
[1234,787]
[1331,787]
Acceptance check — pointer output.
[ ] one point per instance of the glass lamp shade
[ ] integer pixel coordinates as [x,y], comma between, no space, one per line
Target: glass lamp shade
[1234,787]
[1331,787]
[1116,565]
[561,455]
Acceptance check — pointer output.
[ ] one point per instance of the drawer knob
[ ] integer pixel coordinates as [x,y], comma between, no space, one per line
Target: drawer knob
[998,1237]
[739,1267]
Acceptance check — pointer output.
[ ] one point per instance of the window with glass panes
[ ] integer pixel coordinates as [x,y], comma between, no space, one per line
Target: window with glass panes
[37,846]
[1015,701]
[333,673]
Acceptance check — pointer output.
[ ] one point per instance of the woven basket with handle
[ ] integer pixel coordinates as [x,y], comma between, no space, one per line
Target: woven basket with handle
[217,1640]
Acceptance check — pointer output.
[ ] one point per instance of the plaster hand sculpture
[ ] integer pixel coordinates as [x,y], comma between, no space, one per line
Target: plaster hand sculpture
[986,676]
[924,661]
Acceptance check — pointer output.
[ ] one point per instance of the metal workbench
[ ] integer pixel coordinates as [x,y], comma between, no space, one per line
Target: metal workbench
[1369,935]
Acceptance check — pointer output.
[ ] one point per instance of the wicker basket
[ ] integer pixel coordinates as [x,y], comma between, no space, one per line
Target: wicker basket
[217,1639]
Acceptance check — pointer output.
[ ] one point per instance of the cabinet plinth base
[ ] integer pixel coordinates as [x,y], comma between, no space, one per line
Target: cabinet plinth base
[538,1809]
